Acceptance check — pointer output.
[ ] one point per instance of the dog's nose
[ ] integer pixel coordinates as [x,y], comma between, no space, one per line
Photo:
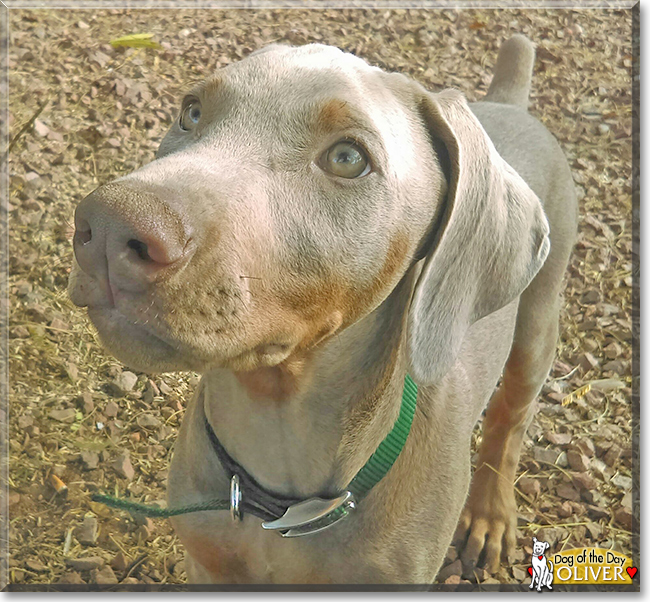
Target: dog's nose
[128,238]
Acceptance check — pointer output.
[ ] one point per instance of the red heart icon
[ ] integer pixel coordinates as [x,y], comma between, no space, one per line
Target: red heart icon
[631,571]
[530,571]
[540,557]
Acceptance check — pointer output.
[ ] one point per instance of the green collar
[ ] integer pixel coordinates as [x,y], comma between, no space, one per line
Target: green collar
[300,517]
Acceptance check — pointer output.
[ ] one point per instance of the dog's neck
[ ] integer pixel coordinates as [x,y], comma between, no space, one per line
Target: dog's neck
[315,441]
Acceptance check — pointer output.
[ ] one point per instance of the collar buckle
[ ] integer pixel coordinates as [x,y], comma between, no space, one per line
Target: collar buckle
[312,515]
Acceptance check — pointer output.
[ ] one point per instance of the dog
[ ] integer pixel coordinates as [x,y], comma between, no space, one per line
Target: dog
[542,568]
[312,230]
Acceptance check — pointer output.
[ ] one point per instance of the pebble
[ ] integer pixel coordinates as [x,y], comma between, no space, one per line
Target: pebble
[558,438]
[105,576]
[85,402]
[530,487]
[72,577]
[119,562]
[89,459]
[455,568]
[603,128]
[36,566]
[623,517]
[577,461]
[111,409]
[87,532]
[66,415]
[548,456]
[85,564]
[148,421]
[621,481]
[123,467]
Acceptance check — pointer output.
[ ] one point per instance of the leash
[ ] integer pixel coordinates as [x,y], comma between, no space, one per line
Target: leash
[292,517]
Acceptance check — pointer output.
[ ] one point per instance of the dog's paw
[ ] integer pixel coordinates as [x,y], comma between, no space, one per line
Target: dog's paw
[486,532]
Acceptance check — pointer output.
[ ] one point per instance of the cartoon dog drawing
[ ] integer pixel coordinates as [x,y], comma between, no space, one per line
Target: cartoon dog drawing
[542,568]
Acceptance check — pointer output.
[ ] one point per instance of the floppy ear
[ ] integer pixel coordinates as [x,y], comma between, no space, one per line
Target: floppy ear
[492,240]
[547,545]
[534,539]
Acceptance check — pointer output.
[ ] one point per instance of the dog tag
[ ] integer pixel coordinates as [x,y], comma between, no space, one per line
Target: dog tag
[312,515]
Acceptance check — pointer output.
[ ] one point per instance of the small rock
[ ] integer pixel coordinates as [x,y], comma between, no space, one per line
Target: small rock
[14,497]
[567,492]
[105,576]
[565,510]
[547,456]
[588,362]
[36,566]
[85,402]
[452,580]
[119,562]
[87,532]
[165,389]
[126,381]
[72,371]
[130,581]
[623,516]
[558,438]
[66,415]
[530,487]
[578,461]
[519,574]
[586,446]
[72,577]
[90,459]
[123,467]
[595,530]
[40,128]
[58,324]
[621,481]
[603,128]
[148,421]
[25,421]
[612,456]
[562,460]
[111,409]
[627,500]
[591,297]
[455,568]
[584,481]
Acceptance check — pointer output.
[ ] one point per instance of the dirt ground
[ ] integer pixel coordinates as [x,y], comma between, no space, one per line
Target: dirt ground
[83,112]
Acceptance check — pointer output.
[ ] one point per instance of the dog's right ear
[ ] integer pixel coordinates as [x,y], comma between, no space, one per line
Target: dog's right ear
[534,539]
[492,240]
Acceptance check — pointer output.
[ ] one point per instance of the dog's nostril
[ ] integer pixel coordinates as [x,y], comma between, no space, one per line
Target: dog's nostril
[140,248]
[83,237]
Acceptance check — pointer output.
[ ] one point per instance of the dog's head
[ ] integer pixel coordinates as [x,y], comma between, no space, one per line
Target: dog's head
[539,547]
[290,197]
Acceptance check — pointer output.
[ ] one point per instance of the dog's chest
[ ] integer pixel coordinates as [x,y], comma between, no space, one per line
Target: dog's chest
[244,553]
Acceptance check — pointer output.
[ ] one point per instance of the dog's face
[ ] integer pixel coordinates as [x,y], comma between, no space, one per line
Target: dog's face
[283,204]
[539,547]
[291,196]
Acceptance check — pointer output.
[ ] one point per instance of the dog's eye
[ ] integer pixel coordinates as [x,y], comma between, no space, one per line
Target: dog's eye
[346,160]
[190,116]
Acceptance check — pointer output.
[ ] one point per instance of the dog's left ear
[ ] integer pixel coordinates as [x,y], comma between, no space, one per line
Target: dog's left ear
[547,545]
[492,240]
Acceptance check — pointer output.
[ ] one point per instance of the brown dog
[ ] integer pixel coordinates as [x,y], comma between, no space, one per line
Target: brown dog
[312,230]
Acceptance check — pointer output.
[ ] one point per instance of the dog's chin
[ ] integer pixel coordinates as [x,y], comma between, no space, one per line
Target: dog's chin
[142,350]
[137,347]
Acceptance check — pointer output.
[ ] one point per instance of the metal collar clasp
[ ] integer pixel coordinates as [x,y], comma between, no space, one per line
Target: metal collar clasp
[235,499]
[312,515]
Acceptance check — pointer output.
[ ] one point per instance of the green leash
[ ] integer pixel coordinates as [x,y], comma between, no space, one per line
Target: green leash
[368,476]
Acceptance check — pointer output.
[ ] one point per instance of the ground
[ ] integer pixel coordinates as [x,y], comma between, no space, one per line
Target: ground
[83,112]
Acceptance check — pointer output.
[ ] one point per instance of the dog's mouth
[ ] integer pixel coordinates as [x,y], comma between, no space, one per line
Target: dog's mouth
[147,335]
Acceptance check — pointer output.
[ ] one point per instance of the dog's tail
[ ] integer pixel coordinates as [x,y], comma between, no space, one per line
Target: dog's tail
[511,82]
